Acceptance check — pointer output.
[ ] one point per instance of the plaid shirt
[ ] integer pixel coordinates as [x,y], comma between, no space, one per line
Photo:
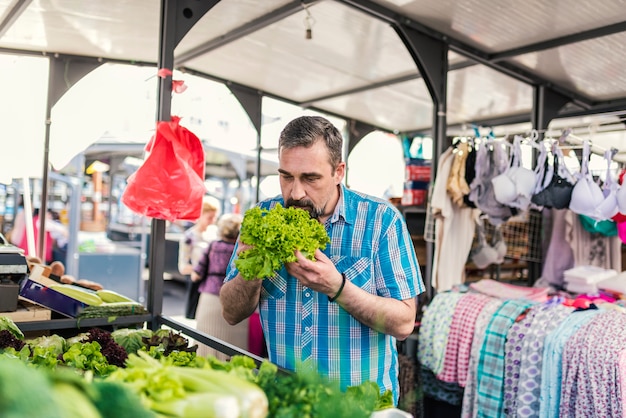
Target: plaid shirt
[490,373]
[371,246]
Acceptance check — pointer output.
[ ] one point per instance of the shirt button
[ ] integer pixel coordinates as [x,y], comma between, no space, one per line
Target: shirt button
[306,329]
[307,294]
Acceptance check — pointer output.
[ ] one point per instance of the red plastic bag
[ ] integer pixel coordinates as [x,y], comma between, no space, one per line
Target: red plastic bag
[170,183]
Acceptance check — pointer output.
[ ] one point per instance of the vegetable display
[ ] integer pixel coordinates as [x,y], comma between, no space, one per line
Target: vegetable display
[275,234]
[92,375]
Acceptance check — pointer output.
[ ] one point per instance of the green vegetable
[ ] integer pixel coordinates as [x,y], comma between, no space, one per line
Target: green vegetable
[88,356]
[8,324]
[185,391]
[251,399]
[81,295]
[72,402]
[25,391]
[54,342]
[131,338]
[112,309]
[275,234]
[116,400]
[200,405]
[111,297]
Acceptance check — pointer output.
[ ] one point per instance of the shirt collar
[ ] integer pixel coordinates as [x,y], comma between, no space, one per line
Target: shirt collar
[340,209]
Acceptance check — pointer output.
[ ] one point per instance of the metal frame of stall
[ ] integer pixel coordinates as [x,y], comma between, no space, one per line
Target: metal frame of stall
[429,50]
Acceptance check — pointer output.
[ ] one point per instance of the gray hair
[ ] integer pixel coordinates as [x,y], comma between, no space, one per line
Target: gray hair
[307,130]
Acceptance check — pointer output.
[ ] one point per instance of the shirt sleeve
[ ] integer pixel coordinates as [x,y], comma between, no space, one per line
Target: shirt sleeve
[398,271]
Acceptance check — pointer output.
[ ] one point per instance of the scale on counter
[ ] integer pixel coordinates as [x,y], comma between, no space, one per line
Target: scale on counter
[13,268]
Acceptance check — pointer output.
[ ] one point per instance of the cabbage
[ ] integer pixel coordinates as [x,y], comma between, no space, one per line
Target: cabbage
[131,338]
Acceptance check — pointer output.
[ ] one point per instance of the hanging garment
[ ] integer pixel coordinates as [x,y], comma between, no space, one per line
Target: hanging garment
[547,318]
[456,186]
[483,255]
[551,373]
[470,174]
[592,249]
[457,350]
[491,160]
[454,231]
[515,186]
[490,371]
[557,193]
[587,197]
[591,380]
[559,255]
[469,407]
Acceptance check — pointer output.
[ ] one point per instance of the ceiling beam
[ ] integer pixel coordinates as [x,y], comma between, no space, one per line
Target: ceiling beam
[11,16]
[380,84]
[243,30]
[560,41]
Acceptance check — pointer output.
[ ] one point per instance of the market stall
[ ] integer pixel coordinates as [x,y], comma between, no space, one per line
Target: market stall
[433,48]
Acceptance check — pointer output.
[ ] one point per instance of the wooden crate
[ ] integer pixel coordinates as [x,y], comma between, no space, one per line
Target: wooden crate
[27,311]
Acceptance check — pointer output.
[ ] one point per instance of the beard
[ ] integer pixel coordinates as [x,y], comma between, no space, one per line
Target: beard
[314,212]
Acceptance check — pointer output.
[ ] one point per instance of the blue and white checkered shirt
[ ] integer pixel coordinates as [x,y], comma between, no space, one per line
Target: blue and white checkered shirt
[371,246]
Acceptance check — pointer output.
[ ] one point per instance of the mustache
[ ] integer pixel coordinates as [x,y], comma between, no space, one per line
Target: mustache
[300,203]
[307,205]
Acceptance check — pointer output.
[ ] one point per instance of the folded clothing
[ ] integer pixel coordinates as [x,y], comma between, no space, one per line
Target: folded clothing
[615,284]
[588,274]
[501,290]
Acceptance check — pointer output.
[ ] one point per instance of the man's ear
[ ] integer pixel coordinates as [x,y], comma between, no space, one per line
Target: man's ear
[340,172]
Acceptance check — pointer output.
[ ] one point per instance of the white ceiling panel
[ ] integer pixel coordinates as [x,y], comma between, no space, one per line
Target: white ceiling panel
[279,60]
[601,77]
[350,65]
[401,107]
[224,17]
[126,29]
[496,25]
[478,93]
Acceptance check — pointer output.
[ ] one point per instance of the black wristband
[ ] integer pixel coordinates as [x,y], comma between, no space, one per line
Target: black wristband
[343,283]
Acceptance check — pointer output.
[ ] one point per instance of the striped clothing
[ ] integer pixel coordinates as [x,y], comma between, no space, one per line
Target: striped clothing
[490,372]
[371,246]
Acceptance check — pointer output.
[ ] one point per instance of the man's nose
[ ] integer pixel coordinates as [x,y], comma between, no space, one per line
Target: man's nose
[297,190]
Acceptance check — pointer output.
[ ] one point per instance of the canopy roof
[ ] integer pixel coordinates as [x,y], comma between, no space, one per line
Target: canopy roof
[367,61]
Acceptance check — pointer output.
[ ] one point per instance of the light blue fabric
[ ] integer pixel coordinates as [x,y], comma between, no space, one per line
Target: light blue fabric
[370,244]
[551,372]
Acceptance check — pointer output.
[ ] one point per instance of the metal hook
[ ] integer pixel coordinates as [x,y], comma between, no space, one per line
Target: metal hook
[309,22]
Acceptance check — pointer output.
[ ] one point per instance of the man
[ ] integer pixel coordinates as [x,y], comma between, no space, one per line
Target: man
[344,311]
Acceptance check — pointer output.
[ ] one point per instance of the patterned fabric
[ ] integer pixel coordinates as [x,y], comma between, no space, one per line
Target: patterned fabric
[552,360]
[470,405]
[509,291]
[513,359]
[371,245]
[456,359]
[434,330]
[490,371]
[547,318]
[591,380]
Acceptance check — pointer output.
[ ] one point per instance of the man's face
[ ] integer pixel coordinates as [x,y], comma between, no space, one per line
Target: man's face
[307,179]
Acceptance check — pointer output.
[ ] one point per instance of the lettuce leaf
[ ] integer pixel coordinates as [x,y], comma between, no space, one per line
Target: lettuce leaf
[275,235]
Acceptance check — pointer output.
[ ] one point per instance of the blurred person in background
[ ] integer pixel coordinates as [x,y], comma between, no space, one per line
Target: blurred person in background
[209,273]
[191,247]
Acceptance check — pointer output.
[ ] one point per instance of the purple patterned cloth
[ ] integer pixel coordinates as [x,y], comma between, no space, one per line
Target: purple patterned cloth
[547,318]
[591,384]
[512,359]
